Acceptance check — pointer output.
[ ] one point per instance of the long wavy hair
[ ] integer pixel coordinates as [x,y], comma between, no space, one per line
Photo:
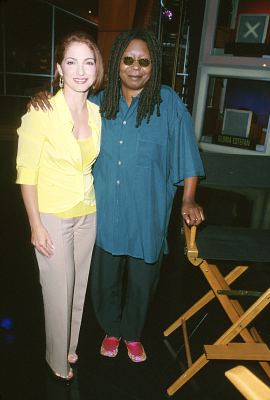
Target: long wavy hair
[150,95]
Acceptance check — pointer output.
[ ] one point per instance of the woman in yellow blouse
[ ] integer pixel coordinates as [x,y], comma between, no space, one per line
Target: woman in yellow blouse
[56,151]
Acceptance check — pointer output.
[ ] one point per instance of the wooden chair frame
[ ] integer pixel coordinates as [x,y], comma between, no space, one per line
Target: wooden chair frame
[252,348]
[248,384]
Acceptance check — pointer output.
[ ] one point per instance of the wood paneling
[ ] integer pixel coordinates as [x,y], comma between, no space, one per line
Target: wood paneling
[115,16]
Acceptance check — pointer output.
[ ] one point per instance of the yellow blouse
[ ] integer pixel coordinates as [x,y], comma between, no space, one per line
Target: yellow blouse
[50,157]
[83,208]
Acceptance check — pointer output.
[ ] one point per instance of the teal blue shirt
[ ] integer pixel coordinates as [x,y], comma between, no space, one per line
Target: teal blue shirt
[137,173]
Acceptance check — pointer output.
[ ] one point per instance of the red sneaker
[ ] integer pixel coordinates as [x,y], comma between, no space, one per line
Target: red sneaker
[109,346]
[136,351]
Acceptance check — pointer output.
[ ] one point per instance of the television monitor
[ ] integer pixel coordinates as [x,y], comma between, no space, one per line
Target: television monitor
[236,122]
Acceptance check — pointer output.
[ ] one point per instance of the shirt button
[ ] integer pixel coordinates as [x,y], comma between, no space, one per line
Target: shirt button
[121,141]
[124,122]
[119,162]
[118,182]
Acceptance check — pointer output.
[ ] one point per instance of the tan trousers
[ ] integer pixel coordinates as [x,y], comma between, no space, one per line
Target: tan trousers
[63,278]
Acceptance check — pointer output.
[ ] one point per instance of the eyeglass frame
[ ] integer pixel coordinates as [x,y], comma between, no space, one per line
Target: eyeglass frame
[140,61]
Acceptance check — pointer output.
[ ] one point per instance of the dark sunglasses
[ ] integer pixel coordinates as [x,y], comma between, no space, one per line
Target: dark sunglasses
[143,62]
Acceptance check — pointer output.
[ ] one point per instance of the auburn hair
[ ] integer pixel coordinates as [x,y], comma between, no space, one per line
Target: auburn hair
[79,37]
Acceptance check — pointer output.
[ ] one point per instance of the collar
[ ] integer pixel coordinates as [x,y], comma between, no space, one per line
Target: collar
[59,103]
[134,101]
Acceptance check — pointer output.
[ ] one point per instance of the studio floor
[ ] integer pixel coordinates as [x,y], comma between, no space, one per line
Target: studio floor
[24,375]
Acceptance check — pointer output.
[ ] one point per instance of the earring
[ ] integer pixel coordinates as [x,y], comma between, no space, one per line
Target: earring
[61,81]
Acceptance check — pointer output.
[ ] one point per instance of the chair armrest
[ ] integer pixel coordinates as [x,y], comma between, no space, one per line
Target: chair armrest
[191,246]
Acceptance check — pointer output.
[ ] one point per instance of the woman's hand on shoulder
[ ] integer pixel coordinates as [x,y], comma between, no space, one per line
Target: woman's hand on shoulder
[40,101]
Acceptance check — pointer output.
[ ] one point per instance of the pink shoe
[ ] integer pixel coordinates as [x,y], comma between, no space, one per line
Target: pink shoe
[136,351]
[109,346]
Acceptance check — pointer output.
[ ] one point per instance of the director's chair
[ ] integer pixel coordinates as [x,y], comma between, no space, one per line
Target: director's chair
[243,174]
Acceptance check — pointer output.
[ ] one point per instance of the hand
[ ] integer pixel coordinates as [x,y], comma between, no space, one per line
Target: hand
[192,213]
[40,101]
[42,241]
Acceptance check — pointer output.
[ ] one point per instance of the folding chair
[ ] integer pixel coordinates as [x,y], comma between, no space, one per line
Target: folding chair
[249,175]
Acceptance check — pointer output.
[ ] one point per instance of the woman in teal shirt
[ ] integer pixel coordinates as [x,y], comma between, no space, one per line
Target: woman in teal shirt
[148,148]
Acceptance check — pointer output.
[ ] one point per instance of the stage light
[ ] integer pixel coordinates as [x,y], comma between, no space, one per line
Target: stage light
[166,14]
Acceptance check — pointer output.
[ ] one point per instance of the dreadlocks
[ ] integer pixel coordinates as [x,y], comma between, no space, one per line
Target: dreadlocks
[150,95]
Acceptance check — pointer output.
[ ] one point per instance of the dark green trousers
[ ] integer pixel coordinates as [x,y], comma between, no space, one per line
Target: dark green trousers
[122,314]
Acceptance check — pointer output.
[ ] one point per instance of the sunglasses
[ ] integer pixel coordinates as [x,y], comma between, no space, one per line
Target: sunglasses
[143,62]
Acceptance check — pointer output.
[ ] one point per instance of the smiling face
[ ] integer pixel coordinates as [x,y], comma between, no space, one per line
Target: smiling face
[134,77]
[78,67]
